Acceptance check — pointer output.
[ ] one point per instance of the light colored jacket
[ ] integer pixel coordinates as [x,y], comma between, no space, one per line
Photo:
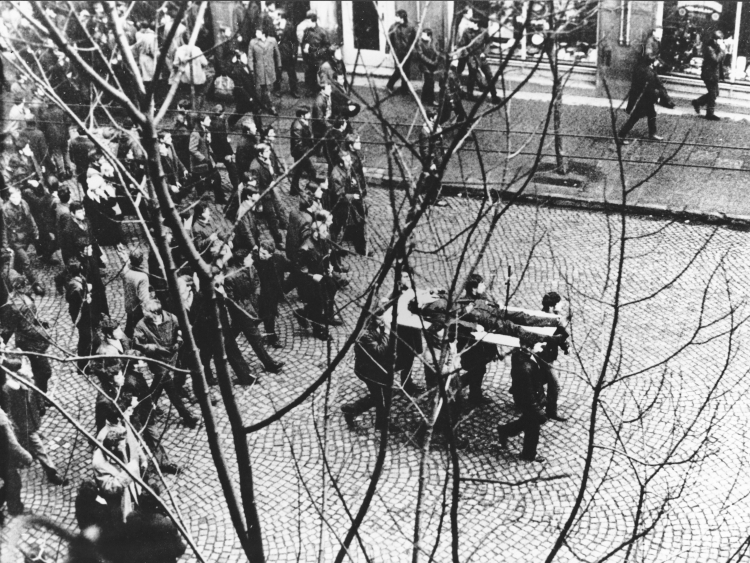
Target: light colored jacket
[263,58]
[146,51]
[188,66]
[135,288]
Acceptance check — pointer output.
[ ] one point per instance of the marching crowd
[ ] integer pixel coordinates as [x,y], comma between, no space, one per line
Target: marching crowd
[63,196]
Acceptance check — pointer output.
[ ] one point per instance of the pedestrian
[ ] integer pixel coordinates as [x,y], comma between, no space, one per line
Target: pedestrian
[298,229]
[347,204]
[431,140]
[314,43]
[322,114]
[55,126]
[263,59]
[429,64]
[247,144]
[529,396]
[12,458]
[473,47]
[372,367]
[20,317]
[135,285]
[145,52]
[269,204]
[712,71]
[247,233]
[181,133]
[205,229]
[175,173]
[189,72]
[23,408]
[642,100]
[204,175]
[288,47]
[41,206]
[317,266]
[301,145]
[548,356]
[408,339]
[157,336]
[245,16]
[242,289]
[22,232]
[102,207]
[271,267]
[450,95]
[402,37]
[221,148]
[78,297]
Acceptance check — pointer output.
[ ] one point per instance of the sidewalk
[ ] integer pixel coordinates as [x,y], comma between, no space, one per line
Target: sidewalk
[706,165]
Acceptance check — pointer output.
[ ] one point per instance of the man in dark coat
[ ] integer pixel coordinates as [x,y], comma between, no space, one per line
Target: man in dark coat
[268,205]
[402,36]
[712,71]
[288,46]
[220,146]
[371,366]
[644,95]
[54,123]
[242,287]
[315,44]
[347,203]
[528,392]
[429,60]
[473,45]
[22,231]
[157,336]
[79,307]
[300,143]
[181,134]
[245,17]
[271,267]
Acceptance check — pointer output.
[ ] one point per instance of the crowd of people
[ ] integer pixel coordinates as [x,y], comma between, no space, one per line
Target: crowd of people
[65,197]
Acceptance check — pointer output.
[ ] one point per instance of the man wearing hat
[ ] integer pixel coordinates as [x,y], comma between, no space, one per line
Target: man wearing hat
[300,143]
[220,146]
[473,46]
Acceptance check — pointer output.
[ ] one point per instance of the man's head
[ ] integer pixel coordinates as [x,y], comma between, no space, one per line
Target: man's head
[319,227]
[427,35]
[526,340]
[218,110]
[402,17]
[202,211]
[303,112]
[153,310]
[14,195]
[312,15]
[114,439]
[327,88]
[550,301]
[260,34]
[345,157]
[475,286]
[77,210]
[717,35]
[266,250]
[64,194]
[264,151]
[407,277]
[270,134]
[248,126]
[657,33]
[136,258]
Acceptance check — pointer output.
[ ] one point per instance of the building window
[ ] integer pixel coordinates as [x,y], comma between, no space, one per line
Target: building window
[366,24]
[574,22]
[688,24]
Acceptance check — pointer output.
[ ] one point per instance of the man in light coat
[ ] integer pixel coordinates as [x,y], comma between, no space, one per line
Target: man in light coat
[263,59]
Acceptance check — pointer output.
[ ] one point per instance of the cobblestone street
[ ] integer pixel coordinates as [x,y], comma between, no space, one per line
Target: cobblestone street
[680,405]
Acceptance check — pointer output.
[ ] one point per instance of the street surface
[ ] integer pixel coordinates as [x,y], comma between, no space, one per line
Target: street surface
[690,404]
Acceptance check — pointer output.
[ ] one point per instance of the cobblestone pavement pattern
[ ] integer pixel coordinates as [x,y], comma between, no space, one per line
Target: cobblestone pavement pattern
[689,400]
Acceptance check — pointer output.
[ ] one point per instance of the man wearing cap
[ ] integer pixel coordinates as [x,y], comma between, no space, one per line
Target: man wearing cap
[263,58]
[288,46]
[300,143]
[473,46]
[712,72]
[220,146]
[315,43]
[402,37]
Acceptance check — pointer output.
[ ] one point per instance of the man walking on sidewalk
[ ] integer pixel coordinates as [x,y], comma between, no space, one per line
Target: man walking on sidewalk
[644,94]
[712,72]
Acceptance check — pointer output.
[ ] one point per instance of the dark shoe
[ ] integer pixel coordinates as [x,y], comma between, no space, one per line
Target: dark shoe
[16,509]
[413,389]
[623,142]
[54,477]
[245,382]
[190,421]
[321,334]
[390,89]
[669,104]
[496,100]
[656,137]
[336,320]
[712,117]
[502,437]
[349,418]
[274,367]
[38,289]
[557,417]
[696,106]
[301,319]
[393,428]
[274,343]
[169,468]
[537,459]
[479,400]
[343,269]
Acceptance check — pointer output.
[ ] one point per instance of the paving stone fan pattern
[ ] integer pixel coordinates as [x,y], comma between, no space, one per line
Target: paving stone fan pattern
[680,399]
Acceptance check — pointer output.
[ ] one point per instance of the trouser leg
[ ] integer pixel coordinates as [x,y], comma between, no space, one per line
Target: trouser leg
[273,223]
[237,361]
[22,263]
[13,487]
[42,370]
[474,378]
[428,89]
[393,79]
[85,341]
[234,177]
[360,406]
[38,451]
[406,65]
[382,397]
[131,319]
[553,391]
[471,81]
[151,438]
[163,382]
[269,324]
[291,71]
[628,125]
[252,334]
[206,353]
[488,76]
[531,429]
